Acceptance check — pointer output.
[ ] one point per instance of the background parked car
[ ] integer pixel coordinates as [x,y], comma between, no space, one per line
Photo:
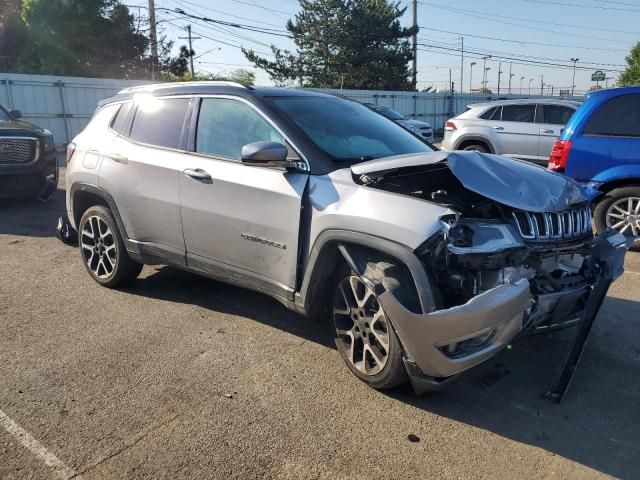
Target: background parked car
[416,126]
[525,129]
[600,147]
[28,164]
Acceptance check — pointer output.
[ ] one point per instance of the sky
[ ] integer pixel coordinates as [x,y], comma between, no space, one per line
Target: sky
[533,39]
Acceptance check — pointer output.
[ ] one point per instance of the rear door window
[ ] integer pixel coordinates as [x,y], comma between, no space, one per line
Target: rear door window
[556,114]
[159,121]
[519,113]
[618,117]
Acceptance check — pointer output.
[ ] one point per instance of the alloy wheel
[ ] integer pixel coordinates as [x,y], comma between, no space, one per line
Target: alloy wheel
[98,247]
[361,326]
[624,216]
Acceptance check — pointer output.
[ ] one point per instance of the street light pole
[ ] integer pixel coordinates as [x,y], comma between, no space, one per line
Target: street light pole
[530,80]
[541,84]
[573,82]
[484,88]
[521,78]
[484,76]
[471,77]
[510,76]
[499,75]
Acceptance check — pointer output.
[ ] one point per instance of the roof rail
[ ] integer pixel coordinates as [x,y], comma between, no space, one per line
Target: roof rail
[157,86]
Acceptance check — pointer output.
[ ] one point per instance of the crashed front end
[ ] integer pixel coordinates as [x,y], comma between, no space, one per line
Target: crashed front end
[519,256]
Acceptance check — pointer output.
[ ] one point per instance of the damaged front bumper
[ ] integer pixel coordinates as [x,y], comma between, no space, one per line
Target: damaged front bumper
[443,343]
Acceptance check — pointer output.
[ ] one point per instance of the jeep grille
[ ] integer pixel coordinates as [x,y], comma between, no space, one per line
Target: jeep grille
[18,150]
[565,225]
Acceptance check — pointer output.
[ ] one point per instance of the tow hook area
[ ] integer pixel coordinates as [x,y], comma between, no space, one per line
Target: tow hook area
[65,232]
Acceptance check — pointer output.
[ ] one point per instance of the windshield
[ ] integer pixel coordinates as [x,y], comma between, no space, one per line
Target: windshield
[348,131]
[389,113]
[4,115]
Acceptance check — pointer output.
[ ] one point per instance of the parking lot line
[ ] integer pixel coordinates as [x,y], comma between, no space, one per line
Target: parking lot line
[28,441]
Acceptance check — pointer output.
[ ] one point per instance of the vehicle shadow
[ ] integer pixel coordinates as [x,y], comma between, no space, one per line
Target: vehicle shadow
[31,217]
[597,425]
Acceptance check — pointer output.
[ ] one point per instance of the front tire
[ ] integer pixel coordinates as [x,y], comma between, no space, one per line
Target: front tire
[102,249]
[620,210]
[364,336]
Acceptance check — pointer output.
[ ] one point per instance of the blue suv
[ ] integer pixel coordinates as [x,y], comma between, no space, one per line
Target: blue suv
[600,147]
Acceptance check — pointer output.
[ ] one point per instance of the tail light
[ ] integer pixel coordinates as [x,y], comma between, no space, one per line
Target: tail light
[449,125]
[559,155]
[71,148]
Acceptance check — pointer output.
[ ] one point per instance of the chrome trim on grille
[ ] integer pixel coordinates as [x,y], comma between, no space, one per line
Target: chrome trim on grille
[568,224]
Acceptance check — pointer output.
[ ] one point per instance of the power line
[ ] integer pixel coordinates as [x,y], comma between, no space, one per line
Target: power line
[476,14]
[582,5]
[521,42]
[545,22]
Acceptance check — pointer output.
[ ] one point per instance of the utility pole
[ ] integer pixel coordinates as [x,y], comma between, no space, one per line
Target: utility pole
[461,63]
[573,82]
[499,75]
[190,38]
[510,76]
[154,38]
[541,84]
[471,77]
[415,45]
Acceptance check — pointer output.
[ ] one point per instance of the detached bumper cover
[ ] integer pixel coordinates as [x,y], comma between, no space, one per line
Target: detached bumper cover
[497,313]
[494,317]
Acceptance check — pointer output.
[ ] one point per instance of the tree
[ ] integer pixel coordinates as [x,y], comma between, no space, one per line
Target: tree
[242,76]
[344,43]
[631,75]
[96,38]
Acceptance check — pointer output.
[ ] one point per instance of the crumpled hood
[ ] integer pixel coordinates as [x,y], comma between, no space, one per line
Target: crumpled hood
[511,182]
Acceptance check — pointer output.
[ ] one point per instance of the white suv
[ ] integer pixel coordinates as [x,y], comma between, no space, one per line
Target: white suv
[525,129]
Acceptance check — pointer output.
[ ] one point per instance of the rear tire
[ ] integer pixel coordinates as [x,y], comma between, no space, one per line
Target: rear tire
[620,209]
[364,336]
[102,249]
[476,147]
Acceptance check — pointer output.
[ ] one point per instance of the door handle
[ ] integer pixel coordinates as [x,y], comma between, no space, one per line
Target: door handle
[198,174]
[116,157]
[498,128]
[546,130]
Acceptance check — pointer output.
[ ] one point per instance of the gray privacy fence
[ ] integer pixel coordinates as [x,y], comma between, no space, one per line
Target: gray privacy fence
[64,105]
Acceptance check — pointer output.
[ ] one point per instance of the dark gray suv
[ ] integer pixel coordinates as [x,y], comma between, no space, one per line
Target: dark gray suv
[425,263]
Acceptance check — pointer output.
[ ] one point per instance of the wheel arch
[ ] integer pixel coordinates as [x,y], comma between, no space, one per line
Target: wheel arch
[334,247]
[467,140]
[84,196]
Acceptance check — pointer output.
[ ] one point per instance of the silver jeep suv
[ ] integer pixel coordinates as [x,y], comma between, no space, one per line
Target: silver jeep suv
[425,263]
[524,129]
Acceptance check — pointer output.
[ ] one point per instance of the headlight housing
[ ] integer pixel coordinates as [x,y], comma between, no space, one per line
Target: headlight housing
[48,142]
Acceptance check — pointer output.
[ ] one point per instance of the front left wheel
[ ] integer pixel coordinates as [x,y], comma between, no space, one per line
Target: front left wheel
[363,334]
[102,249]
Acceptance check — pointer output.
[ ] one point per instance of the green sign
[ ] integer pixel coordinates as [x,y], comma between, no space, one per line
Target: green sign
[598,76]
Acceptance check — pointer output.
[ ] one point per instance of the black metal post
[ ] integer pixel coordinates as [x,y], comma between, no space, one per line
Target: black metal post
[563,379]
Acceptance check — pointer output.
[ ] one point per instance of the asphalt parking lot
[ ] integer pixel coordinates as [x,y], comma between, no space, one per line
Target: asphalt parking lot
[182,377]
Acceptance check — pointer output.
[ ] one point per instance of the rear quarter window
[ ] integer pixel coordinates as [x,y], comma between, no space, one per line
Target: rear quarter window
[617,117]
[491,114]
[119,123]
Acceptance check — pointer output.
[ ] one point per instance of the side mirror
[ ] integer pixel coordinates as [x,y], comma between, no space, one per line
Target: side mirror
[265,154]
[15,114]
